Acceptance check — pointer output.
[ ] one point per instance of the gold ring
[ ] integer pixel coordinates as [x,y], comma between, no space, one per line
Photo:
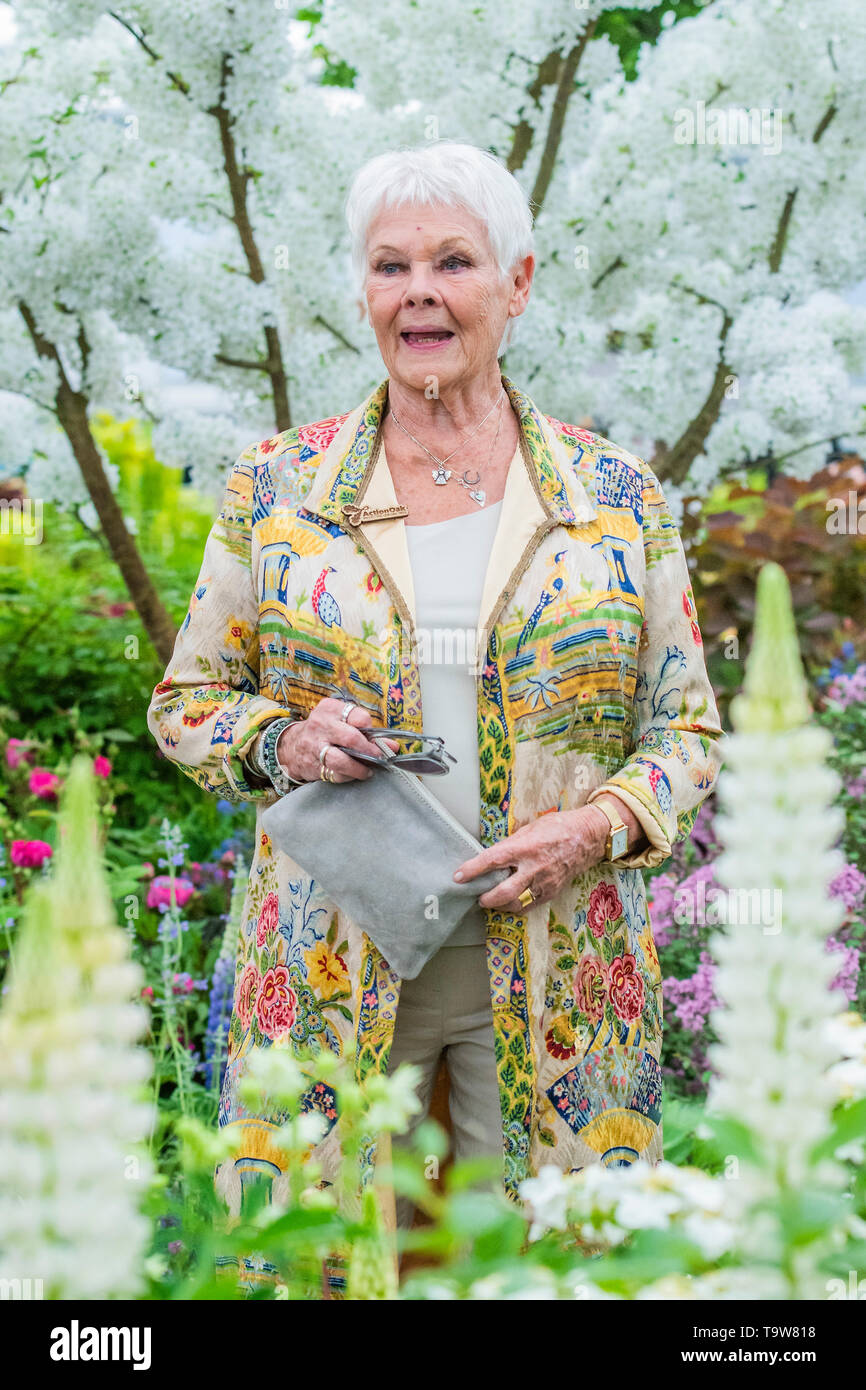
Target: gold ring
[527,897]
[323,770]
[348,706]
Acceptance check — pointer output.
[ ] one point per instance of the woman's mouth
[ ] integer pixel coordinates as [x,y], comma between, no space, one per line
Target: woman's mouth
[429,338]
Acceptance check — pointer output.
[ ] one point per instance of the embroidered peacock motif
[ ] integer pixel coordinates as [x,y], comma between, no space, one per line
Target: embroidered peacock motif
[325,606]
[548,594]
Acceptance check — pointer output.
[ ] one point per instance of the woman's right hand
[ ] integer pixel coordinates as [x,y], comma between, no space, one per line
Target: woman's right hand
[301,743]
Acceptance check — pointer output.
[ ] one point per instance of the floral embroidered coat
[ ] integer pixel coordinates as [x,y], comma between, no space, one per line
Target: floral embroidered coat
[590,676]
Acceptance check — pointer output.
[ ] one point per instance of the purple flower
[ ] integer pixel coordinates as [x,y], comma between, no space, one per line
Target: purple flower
[218,1019]
[849,968]
[693,998]
[850,885]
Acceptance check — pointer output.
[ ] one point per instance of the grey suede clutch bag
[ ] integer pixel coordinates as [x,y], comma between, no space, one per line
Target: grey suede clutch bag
[385,850]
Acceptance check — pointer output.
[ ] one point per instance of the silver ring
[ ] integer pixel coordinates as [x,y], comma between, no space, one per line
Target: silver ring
[348,706]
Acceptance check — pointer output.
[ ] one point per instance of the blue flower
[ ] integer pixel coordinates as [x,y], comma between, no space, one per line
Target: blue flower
[848,650]
[224,807]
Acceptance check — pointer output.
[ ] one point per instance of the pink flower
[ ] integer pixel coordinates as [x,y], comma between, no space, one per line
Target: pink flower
[44,784]
[30,854]
[626,988]
[101,766]
[159,892]
[604,906]
[147,992]
[249,983]
[18,751]
[276,1003]
[269,919]
[147,869]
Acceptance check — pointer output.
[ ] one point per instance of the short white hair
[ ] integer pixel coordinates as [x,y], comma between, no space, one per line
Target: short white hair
[442,173]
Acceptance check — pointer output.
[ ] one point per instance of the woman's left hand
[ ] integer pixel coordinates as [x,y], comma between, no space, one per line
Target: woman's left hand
[546,854]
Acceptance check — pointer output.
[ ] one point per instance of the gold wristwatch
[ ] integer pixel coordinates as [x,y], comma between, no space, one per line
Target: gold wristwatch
[617,836]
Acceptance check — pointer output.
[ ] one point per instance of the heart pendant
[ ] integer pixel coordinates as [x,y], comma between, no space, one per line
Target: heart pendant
[478,496]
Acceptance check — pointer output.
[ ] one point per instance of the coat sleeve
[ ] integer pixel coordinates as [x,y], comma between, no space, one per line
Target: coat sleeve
[677,734]
[207,711]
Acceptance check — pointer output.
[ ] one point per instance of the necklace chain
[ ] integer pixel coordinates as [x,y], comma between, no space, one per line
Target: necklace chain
[440,474]
[440,463]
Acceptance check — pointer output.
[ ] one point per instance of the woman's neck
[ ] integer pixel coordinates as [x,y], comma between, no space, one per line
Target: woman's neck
[449,414]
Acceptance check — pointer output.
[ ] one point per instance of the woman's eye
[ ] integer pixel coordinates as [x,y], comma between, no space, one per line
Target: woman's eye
[386,267]
[450,262]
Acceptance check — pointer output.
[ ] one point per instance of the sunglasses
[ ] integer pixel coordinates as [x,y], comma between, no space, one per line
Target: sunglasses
[430,759]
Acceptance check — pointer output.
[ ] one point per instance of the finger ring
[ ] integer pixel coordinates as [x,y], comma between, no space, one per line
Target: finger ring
[348,706]
[527,897]
[325,774]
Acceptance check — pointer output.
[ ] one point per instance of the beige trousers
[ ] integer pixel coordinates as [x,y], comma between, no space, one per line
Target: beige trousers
[447,1009]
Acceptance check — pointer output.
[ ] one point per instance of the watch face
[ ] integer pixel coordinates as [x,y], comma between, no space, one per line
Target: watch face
[619,842]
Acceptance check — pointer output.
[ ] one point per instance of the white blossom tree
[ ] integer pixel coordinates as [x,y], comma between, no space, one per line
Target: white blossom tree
[172,182]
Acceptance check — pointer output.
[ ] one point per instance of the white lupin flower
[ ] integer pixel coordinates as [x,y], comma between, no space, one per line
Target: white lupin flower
[775,1047]
[71,1170]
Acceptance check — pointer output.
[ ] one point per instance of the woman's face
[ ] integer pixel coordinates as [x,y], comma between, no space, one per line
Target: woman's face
[436,299]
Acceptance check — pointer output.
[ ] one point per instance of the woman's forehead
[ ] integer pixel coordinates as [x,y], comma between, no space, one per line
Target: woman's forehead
[428,224]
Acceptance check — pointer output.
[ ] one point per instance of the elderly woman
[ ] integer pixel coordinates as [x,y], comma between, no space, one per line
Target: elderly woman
[347,555]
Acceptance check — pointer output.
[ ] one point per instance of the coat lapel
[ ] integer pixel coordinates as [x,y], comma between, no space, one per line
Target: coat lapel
[353,488]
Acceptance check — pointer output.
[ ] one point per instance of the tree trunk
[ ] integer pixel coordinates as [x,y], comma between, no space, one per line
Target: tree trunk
[72,414]
[155,618]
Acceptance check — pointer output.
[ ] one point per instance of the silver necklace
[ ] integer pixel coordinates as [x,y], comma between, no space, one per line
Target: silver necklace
[442,475]
[438,461]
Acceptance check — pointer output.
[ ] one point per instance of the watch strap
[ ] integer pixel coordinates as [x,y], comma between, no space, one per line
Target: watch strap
[617,836]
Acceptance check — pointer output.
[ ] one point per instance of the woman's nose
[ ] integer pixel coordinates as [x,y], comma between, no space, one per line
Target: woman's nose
[420,288]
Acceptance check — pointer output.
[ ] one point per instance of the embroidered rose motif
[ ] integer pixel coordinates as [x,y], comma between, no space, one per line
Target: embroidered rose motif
[246,992]
[590,987]
[626,988]
[269,919]
[604,906]
[276,1003]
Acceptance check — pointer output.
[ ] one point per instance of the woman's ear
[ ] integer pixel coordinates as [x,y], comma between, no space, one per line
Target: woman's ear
[521,284]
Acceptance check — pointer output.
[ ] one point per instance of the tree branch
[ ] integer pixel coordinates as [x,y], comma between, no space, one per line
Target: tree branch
[673,464]
[564,90]
[238,179]
[176,81]
[777,250]
[72,414]
[337,334]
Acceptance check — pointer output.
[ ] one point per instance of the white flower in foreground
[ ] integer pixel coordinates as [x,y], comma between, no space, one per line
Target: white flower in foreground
[547,1195]
[779,1028]
[847,1034]
[71,1169]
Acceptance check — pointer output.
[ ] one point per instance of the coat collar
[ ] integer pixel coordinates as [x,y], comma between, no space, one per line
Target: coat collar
[353,488]
[349,465]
